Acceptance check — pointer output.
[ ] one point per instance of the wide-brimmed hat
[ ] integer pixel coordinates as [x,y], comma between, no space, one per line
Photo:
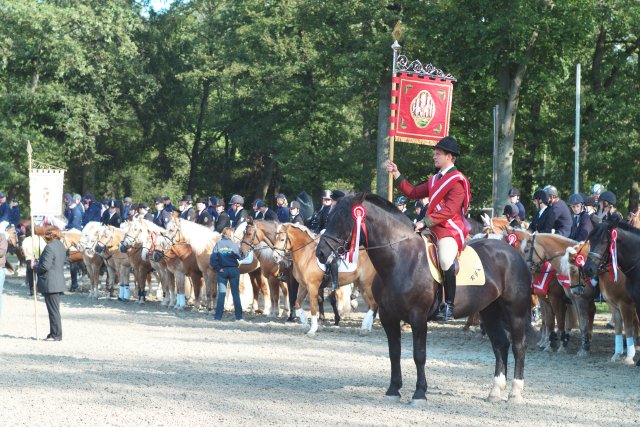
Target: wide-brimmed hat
[448,144]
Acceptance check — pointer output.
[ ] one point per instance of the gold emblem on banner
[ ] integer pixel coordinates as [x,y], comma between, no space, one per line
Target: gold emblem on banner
[423,109]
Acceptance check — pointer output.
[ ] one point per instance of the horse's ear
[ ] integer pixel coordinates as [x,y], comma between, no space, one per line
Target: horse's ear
[249,220]
[359,198]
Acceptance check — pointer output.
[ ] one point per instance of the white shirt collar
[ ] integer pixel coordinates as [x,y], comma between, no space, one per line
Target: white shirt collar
[443,172]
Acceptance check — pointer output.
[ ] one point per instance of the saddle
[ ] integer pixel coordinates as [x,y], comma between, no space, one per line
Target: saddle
[468,266]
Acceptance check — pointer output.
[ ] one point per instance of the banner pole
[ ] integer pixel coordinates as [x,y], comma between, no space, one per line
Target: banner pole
[392,141]
[33,250]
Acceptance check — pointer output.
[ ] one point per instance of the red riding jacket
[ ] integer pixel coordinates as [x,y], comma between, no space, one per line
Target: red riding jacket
[449,199]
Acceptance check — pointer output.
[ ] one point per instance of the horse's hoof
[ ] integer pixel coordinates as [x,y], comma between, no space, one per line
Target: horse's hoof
[494,398]
[562,349]
[548,349]
[616,358]
[311,334]
[582,353]
[364,332]
[418,403]
[392,399]
[629,361]
[516,398]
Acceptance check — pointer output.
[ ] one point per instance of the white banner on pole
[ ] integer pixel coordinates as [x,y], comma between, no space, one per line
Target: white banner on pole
[46,186]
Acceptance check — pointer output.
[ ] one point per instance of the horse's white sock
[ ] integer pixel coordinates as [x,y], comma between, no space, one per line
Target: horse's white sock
[631,347]
[618,344]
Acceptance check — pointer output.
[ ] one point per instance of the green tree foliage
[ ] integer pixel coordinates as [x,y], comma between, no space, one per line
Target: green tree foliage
[253,97]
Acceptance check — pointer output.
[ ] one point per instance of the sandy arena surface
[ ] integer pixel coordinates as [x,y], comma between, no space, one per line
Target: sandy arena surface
[123,364]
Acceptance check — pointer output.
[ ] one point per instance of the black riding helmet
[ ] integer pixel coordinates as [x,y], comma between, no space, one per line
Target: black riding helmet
[608,196]
[402,200]
[541,195]
[576,199]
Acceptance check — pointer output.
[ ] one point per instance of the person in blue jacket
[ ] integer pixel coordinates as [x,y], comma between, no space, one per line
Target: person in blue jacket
[225,260]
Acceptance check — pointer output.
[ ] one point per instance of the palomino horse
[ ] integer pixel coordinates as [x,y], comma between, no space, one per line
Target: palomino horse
[108,247]
[616,243]
[298,242]
[405,289]
[622,308]
[139,233]
[180,259]
[258,235]
[202,240]
[538,249]
[138,257]
[92,262]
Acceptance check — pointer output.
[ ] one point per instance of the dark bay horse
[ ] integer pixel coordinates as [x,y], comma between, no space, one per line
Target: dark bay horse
[406,291]
[627,245]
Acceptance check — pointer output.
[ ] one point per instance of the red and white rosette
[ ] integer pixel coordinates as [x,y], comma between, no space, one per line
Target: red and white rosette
[580,260]
[613,250]
[512,238]
[359,213]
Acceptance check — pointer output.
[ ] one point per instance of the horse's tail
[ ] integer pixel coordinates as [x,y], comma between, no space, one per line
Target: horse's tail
[531,334]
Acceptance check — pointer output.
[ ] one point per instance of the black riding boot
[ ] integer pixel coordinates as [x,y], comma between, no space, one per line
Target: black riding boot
[333,269]
[446,311]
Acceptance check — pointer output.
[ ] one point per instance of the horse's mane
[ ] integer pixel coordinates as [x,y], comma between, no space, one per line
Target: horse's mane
[624,226]
[199,235]
[272,226]
[152,226]
[563,239]
[301,228]
[380,202]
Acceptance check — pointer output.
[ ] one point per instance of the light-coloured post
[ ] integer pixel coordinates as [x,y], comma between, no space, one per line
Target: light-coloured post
[494,191]
[576,161]
[396,49]
[33,250]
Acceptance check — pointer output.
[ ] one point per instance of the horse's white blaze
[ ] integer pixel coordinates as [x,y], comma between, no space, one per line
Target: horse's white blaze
[314,325]
[367,322]
[499,384]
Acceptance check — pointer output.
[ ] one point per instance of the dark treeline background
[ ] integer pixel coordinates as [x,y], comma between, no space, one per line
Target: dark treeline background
[259,97]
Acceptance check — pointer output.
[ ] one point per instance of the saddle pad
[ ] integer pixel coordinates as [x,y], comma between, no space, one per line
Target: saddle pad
[343,266]
[471,271]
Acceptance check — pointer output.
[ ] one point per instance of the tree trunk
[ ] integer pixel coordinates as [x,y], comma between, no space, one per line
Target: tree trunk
[508,111]
[367,175]
[634,195]
[531,146]
[382,143]
[194,161]
[265,181]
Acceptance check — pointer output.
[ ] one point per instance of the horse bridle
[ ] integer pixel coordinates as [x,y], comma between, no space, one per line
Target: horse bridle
[538,265]
[254,238]
[287,240]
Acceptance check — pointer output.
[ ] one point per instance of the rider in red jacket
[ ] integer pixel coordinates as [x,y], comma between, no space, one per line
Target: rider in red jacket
[449,197]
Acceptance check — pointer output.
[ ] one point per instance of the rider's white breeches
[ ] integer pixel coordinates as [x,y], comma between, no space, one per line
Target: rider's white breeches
[447,252]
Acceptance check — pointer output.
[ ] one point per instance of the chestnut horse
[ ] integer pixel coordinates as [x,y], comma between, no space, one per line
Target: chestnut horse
[92,262]
[537,249]
[258,235]
[406,291]
[139,234]
[300,244]
[202,240]
[108,247]
[622,308]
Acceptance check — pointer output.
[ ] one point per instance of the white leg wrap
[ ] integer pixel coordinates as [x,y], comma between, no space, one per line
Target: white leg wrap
[618,344]
[301,315]
[516,390]
[367,322]
[499,384]
[314,325]
[631,351]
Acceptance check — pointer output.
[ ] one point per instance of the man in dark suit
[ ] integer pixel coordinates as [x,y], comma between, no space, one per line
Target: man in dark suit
[203,216]
[264,212]
[294,212]
[222,218]
[111,215]
[162,217]
[143,212]
[51,284]
[561,212]
[543,219]
[186,209]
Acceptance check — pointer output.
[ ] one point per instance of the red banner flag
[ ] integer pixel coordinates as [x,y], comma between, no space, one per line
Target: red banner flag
[420,108]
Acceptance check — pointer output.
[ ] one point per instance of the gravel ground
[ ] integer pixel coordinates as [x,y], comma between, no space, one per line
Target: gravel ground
[124,364]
